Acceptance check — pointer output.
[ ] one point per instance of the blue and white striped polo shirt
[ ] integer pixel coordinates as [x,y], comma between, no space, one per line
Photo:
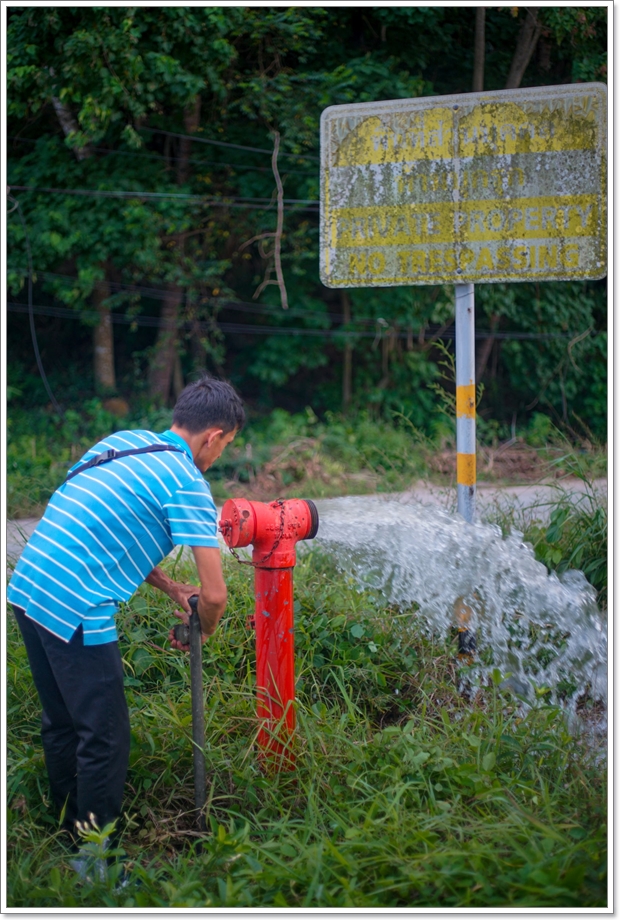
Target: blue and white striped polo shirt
[106,529]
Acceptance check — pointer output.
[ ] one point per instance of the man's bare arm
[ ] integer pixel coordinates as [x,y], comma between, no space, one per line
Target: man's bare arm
[175,590]
[213,593]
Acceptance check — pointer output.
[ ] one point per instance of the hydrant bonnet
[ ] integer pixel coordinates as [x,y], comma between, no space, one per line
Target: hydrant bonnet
[274,529]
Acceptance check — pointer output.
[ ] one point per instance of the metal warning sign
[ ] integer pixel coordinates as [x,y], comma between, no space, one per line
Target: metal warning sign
[479,187]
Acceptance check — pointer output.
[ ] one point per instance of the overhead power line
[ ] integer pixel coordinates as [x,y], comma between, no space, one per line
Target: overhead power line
[162,156]
[250,329]
[209,202]
[205,140]
[247,307]
[224,304]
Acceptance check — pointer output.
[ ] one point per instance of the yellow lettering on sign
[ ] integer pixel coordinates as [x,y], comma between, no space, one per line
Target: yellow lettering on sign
[570,256]
[547,256]
[418,261]
[503,259]
[449,260]
[403,260]
[466,257]
[484,259]
[357,263]
[519,262]
[542,218]
[376,262]
[435,258]
[394,138]
[505,128]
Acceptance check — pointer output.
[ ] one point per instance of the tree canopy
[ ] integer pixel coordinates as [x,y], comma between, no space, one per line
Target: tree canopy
[140,150]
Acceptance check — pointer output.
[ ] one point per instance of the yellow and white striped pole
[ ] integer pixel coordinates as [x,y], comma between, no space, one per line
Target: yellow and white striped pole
[465,401]
[465,437]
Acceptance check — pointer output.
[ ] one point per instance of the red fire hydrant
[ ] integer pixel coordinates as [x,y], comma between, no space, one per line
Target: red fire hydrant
[274,530]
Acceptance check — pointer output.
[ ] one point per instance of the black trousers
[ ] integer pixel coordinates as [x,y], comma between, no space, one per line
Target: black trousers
[85,721]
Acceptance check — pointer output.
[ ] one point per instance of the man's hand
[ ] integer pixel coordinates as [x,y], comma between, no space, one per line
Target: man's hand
[211,596]
[181,594]
[184,617]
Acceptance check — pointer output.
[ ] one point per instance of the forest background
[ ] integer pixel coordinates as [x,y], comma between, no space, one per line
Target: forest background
[140,160]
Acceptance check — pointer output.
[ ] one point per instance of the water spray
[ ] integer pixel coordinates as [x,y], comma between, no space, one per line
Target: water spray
[539,629]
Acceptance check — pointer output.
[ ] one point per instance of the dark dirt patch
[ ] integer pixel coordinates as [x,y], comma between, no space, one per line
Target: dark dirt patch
[516,462]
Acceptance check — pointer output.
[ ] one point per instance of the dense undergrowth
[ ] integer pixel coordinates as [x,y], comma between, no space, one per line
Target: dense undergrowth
[406,794]
[286,455]
[281,454]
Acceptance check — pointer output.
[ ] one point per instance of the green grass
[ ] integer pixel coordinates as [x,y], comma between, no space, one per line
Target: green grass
[405,794]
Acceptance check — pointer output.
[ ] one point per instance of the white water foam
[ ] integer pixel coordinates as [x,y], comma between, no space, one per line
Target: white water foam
[544,630]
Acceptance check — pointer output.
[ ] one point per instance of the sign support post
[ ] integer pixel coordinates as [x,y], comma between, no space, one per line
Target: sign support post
[465,347]
[465,401]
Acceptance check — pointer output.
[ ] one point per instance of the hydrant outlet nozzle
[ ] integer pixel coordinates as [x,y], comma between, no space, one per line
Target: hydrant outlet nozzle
[273,529]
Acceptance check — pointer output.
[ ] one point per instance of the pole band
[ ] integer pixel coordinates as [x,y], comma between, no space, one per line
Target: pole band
[466,401]
[466,469]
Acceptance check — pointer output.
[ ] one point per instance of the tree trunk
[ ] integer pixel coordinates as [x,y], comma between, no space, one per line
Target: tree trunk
[165,367]
[478,81]
[198,352]
[165,351]
[526,45]
[68,123]
[191,121]
[177,377]
[485,351]
[103,342]
[347,366]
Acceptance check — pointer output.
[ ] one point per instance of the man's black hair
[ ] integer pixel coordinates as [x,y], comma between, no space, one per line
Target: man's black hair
[209,403]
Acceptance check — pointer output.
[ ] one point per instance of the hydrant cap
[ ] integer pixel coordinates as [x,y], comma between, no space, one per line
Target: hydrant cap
[314,520]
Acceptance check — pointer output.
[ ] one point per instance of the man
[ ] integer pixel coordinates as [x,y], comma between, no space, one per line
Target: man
[103,533]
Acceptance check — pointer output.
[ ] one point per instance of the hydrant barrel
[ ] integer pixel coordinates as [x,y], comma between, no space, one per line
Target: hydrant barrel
[273,530]
[275,659]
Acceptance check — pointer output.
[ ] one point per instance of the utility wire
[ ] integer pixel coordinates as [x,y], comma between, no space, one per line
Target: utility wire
[30,309]
[209,202]
[205,140]
[249,329]
[241,305]
[246,307]
[162,156]
[161,294]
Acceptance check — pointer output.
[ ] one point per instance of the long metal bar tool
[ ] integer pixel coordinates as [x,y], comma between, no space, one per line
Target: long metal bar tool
[192,635]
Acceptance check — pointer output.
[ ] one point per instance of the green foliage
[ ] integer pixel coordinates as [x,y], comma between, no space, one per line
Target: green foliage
[567,531]
[564,375]
[580,34]
[352,454]
[576,538]
[41,447]
[405,794]
[125,75]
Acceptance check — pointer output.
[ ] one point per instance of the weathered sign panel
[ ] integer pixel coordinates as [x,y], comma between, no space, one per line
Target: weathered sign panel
[477,187]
